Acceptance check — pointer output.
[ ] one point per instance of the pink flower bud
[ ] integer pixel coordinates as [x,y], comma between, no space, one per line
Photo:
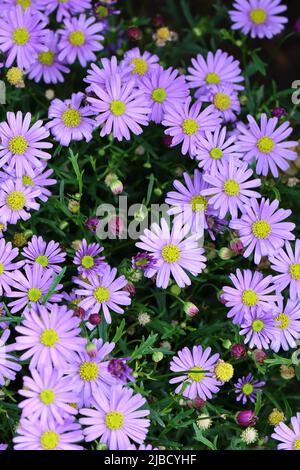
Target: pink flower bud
[116,225]
[246,418]
[95,319]
[238,351]
[259,356]
[190,309]
[91,349]
[134,33]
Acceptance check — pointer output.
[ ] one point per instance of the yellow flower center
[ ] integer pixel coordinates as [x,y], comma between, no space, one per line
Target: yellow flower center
[71,117]
[42,260]
[257,325]
[284,321]
[49,338]
[212,78]
[15,200]
[265,144]
[88,371]
[190,126]
[117,107]
[276,417]
[49,440]
[196,374]
[24,3]
[46,58]
[261,229]
[34,294]
[47,396]
[247,389]
[87,262]
[199,203]
[295,271]
[77,38]
[222,101]
[140,66]
[114,420]
[163,34]
[102,11]
[249,298]
[159,95]
[258,16]
[170,253]
[18,145]
[2,227]
[27,180]
[297,444]
[231,188]
[21,36]
[216,153]
[1,268]
[14,75]
[224,371]
[101,294]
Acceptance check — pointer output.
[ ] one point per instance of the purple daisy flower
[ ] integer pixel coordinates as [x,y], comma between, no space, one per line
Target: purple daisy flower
[89,372]
[140,64]
[188,205]
[288,319]
[47,255]
[225,101]
[197,368]
[187,124]
[117,418]
[70,120]
[173,252]
[289,437]
[48,395]
[16,200]
[21,146]
[120,107]
[39,181]
[230,188]
[258,18]
[65,8]
[31,288]
[47,66]
[103,292]
[7,255]
[22,36]
[162,88]
[259,328]
[8,4]
[216,147]
[261,228]
[35,435]
[287,263]
[99,76]
[218,69]
[246,389]
[80,39]
[251,290]
[266,145]
[50,337]
[87,259]
[142,261]
[8,363]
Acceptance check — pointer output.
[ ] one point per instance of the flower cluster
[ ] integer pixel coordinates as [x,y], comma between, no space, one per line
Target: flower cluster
[69,304]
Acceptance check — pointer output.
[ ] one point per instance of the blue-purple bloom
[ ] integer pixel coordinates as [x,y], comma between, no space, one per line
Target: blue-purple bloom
[262,229]
[187,124]
[247,388]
